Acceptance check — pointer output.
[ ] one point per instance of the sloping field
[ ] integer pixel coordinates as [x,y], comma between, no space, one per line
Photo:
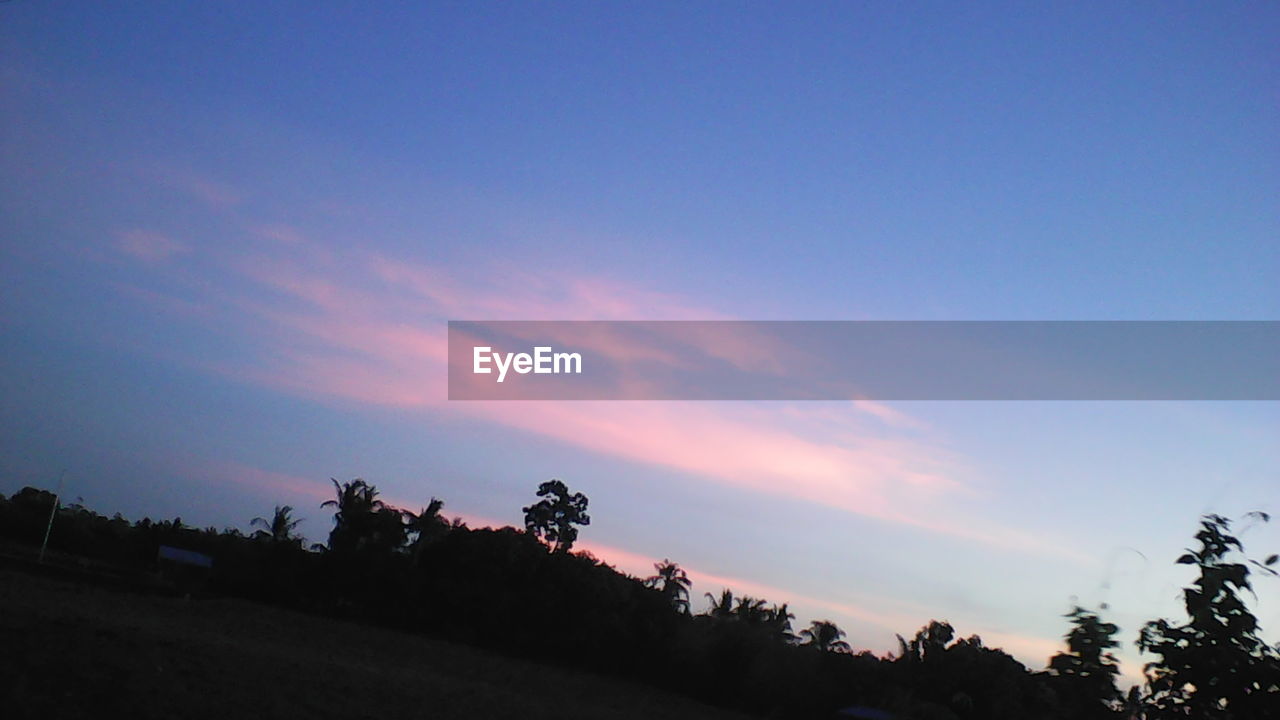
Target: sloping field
[73,650]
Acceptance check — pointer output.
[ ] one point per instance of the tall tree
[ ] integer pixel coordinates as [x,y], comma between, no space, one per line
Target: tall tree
[1215,666]
[554,518]
[1087,671]
[673,582]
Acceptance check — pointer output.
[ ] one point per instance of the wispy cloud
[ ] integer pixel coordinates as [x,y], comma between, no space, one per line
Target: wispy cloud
[365,328]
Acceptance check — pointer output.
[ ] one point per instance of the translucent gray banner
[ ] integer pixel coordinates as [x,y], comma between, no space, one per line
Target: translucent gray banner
[867,360]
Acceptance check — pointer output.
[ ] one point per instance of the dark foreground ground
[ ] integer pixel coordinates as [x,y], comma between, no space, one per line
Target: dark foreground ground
[74,650]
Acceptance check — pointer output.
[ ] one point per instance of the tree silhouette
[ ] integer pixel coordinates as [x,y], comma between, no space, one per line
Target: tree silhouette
[778,619]
[553,518]
[751,610]
[1087,671]
[721,607]
[1215,666]
[673,583]
[752,613]
[501,588]
[362,521]
[824,635]
[279,529]
[929,642]
[426,526]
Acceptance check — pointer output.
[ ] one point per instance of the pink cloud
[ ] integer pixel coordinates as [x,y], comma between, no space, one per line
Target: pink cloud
[283,484]
[896,481]
[519,295]
[888,415]
[368,329]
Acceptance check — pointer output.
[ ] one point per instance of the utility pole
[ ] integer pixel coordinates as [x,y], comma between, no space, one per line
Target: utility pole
[52,512]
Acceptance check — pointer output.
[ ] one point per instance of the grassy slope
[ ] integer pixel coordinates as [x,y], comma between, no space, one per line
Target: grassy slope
[69,650]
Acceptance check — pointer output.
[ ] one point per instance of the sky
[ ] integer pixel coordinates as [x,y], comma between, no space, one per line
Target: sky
[231,236]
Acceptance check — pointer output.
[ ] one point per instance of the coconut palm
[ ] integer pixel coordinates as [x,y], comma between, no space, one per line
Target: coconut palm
[427,525]
[722,607]
[673,583]
[824,635]
[779,621]
[751,610]
[930,641]
[354,498]
[362,520]
[425,518]
[279,529]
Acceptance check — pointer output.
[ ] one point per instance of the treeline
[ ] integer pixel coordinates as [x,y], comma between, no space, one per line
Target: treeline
[526,593]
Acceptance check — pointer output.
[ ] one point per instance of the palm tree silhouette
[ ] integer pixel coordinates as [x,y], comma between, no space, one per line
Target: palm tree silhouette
[673,583]
[751,610]
[426,518]
[280,528]
[930,641]
[722,607]
[354,498]
[427,525]
[824,635]
[779,621]
[358,520]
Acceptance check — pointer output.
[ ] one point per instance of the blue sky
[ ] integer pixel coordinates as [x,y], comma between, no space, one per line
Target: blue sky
[230,236]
